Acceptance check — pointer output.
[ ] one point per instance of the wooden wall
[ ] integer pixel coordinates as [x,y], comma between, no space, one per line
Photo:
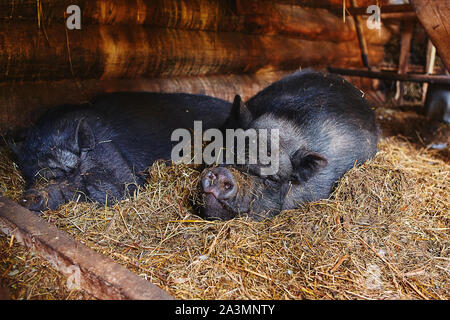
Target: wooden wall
[214,47]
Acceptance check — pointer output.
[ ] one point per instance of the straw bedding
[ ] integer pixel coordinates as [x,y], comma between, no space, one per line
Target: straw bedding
[26,275]
[383,234]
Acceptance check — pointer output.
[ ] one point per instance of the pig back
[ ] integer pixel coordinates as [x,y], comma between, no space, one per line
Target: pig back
[142,122]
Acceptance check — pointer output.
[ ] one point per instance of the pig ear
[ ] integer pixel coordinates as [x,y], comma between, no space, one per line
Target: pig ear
[84,137]
[241,111]
[306,164]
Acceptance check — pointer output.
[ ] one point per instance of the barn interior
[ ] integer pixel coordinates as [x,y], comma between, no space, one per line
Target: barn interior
[382,234]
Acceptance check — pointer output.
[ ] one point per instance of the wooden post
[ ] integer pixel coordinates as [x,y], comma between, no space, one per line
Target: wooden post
[429,67]
[405,46]
[361,39]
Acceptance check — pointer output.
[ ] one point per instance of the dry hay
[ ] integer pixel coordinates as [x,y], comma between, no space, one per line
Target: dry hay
[383,234]
[28,276]
[11,181]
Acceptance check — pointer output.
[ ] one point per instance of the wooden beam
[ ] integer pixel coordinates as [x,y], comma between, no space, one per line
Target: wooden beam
[22,103]
[399,8]
[405,46]
[247,16]
[116,52]
[361,39]
[412,68]
[399,16]
[332,4]
[434,16]
[429,66]
[403,62]
[444,79]
[93,272]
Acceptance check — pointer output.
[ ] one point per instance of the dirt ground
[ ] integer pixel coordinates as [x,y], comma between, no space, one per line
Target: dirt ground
[409,122]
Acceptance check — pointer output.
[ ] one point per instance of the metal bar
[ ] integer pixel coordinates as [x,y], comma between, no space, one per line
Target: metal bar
[85,268]
[444,79]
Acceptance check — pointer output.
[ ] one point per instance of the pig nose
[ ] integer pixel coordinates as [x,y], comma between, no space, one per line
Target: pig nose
[219,182]
[33,200]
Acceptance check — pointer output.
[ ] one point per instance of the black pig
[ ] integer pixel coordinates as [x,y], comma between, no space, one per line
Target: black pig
[325,128]
[437,103]
[100,150]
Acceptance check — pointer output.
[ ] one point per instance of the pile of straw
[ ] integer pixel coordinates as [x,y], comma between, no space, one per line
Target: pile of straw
[11,181]
[383,234]
[28,276]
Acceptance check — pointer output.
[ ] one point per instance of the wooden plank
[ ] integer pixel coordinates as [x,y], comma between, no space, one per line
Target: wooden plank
[399,16]
[361,39]
[4,293]
[22,103]
[434,15]
[333,4]
[115,52]
[248,16]
[397,8]
[93,272]
[403,62]
[405,46]
[429,66]
[444,79]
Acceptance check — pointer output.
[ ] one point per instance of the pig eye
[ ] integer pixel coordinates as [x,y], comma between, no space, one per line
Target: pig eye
[227,186]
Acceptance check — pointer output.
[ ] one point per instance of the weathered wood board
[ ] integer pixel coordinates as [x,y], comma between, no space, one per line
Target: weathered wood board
[22,103]
[93,272]
[115,52]
[434,15]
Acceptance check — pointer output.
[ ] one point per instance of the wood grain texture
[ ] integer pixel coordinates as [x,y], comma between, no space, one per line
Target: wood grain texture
[434,15]
[85,268]
[114,52]
[22,103]
[219,48]
[247,16]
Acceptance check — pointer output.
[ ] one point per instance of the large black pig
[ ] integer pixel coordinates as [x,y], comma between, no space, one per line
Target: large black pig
[100,150]
[325,128]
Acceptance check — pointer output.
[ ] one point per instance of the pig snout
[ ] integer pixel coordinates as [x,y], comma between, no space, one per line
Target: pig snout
[220,183]
[41,198]
[33,200]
